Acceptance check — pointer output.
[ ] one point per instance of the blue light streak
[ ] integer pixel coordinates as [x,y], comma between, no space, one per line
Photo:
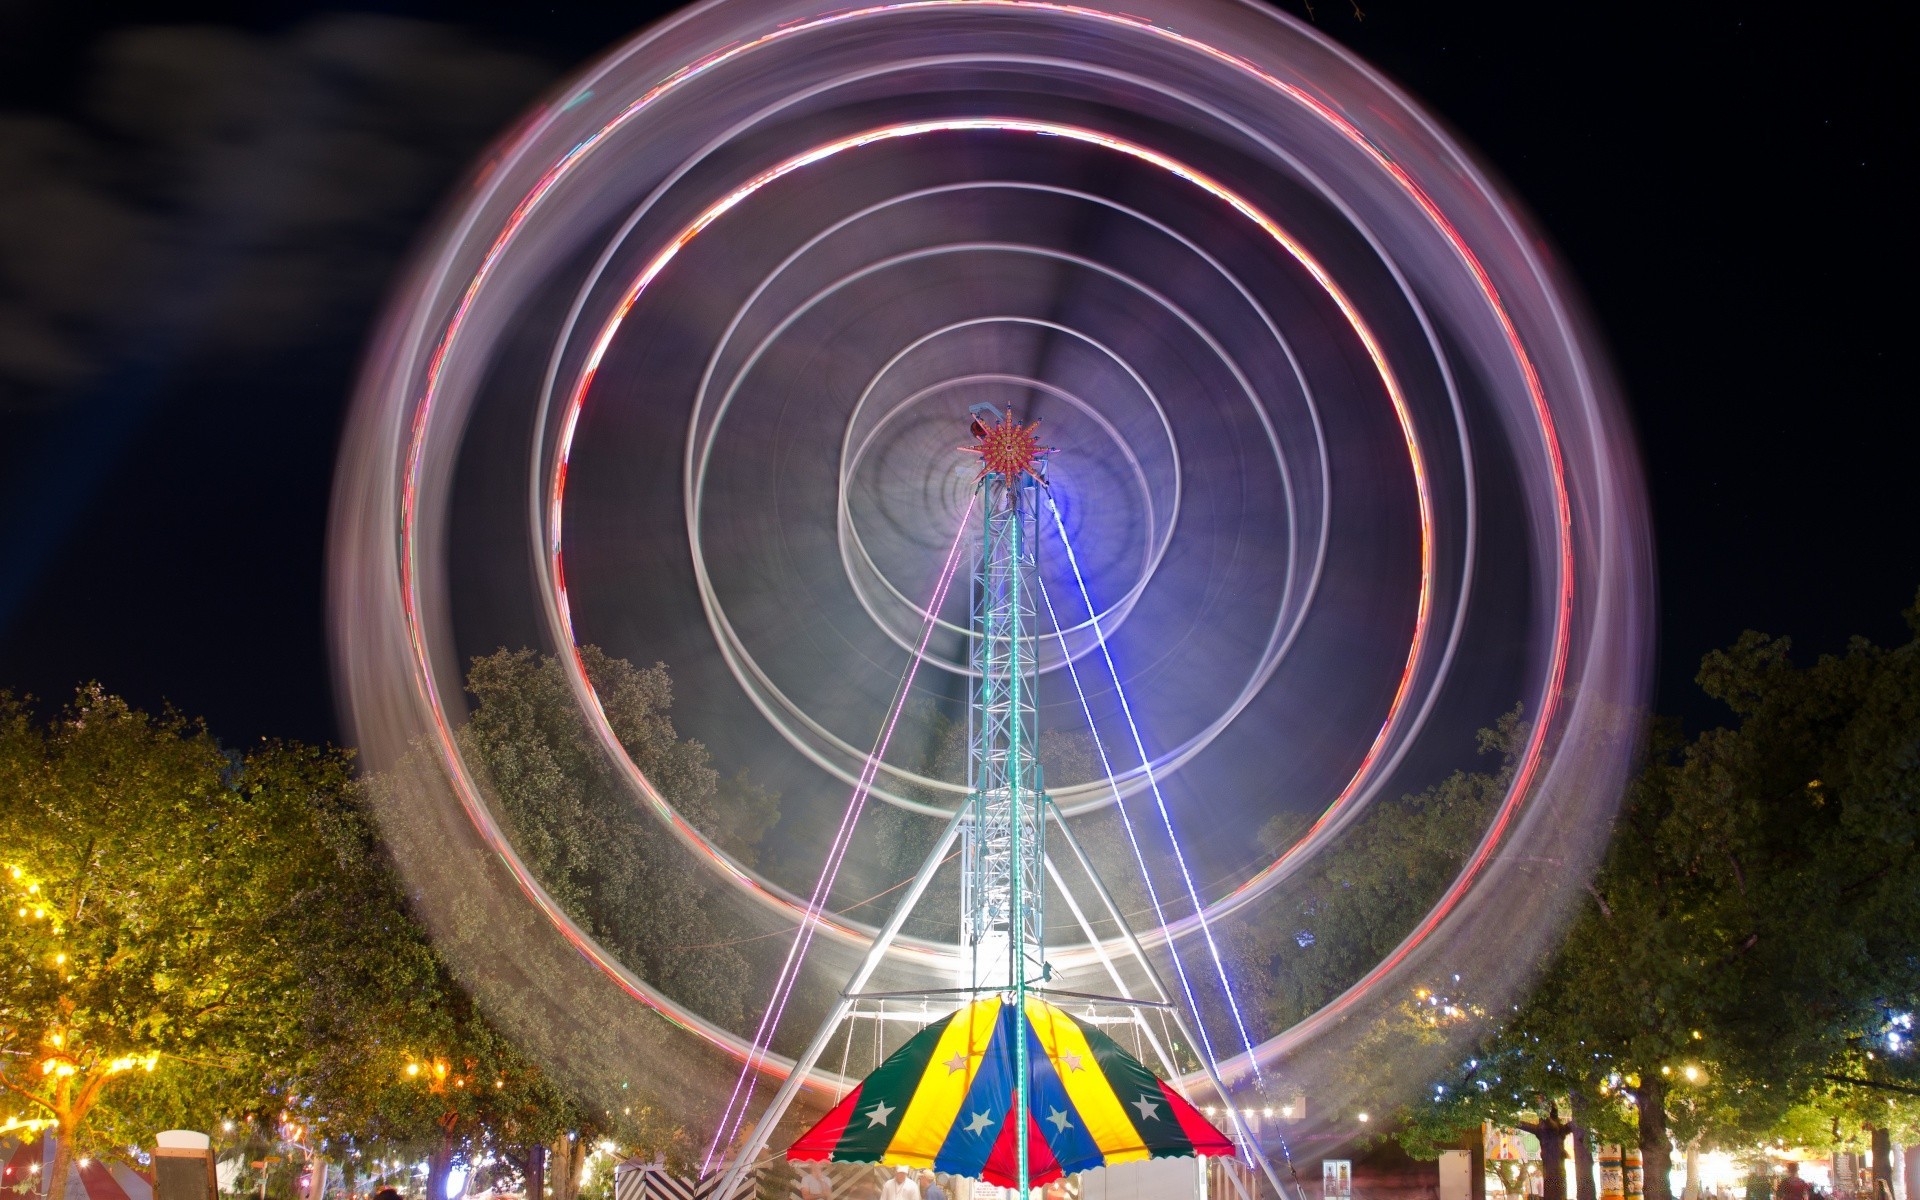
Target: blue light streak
[1153,785]
[1153,895]
[1126,822]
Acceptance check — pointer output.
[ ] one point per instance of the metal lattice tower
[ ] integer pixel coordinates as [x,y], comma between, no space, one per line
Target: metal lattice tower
[1001,848]
[1002,844]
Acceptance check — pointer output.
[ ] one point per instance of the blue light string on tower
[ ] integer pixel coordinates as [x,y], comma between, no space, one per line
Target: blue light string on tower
[1139,857]
[1153,785]
[1153,896]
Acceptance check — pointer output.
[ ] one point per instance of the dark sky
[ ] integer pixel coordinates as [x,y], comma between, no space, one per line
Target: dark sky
[200,205]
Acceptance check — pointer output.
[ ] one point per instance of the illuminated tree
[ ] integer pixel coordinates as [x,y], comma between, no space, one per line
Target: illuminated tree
[140,983]
[395,1059]
[1742,966]
[195,934]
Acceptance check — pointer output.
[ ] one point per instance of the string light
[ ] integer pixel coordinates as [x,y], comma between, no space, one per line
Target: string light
[1126,821]
[1153,896]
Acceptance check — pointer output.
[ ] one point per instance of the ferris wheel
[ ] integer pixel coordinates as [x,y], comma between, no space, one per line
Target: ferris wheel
[1325,473]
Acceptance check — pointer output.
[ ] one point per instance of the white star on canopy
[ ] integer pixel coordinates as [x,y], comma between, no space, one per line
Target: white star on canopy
[979,1123]
[1058,1120]
[1149,1109]
[878,1114]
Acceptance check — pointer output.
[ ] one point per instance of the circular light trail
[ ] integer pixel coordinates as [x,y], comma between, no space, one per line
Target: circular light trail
[951,957]
[1472,301]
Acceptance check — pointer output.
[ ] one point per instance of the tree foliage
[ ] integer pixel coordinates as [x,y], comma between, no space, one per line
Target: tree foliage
[1353,905]
[141,983]
[1743,965]
[579,827]
[397,1061]
[199,935]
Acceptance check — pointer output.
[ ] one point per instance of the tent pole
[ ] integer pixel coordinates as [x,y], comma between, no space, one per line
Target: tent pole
[1113,972]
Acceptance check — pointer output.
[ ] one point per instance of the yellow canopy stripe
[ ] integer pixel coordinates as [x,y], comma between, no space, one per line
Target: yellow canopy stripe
[950,1074]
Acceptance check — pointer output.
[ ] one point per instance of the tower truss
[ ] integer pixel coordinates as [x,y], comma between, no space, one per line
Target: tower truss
[1003,841]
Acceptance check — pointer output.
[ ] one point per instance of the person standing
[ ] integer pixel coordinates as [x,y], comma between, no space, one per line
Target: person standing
[930,1188]
[1793,1187]
[900,1187]
[814,1184]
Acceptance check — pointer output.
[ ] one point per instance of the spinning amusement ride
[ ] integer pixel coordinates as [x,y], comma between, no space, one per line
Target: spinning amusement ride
[1340,481]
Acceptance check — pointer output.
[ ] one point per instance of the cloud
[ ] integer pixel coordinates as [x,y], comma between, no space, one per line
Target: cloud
[222,193]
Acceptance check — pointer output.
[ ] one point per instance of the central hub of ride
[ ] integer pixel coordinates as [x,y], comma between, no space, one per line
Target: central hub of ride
[1006,447]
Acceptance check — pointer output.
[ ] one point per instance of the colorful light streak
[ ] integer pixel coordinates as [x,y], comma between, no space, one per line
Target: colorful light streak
[424,678]
[1159,801]
[1126,822]
[577,397]
[830,871]
[1133,841]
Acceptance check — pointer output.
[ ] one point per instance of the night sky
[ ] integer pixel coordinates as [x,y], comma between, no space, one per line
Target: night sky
[201,205]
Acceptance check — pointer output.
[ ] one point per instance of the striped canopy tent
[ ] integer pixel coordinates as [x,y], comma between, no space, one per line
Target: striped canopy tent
[93,1181]
[945,1102]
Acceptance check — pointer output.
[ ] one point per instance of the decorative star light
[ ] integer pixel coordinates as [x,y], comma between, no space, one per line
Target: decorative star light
[1058,1120]
[1008,449]
[956,1064]
[1149,1109]
[978,1124]
[879,1114]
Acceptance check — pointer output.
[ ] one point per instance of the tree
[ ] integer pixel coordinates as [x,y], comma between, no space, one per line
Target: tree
[1752,924]
[1742,964]
[396,1058]
[1513,1076]
[141,981]
[579,828]
[196,934]
[1354,904]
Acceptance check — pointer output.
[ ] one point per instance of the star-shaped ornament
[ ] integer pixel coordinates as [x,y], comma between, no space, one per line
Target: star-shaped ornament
[879,1114]
[1008,449]
[978,1124]
[1149,1109]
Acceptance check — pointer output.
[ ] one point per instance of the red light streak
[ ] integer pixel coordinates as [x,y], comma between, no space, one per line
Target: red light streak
[409,582]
